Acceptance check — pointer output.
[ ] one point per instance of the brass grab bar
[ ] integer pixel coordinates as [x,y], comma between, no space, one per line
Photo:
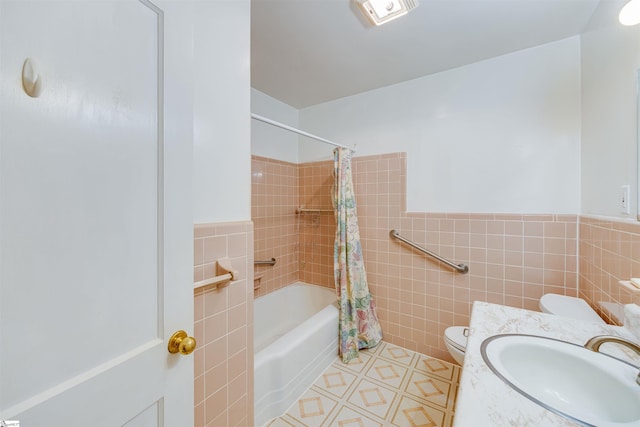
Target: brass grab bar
[271,261]
[462,268]
[310,210]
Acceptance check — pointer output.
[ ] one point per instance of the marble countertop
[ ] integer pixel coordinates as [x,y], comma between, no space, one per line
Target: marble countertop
[483,399]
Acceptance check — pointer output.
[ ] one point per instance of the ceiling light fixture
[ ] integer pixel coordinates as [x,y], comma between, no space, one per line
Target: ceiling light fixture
[630,13]
[382,11]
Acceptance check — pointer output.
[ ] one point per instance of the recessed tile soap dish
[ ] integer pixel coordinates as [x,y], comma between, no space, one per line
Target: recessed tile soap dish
[630,285]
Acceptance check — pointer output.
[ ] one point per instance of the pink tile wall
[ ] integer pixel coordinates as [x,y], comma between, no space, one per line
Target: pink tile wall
[274,200]
[316,229]
[301,242]
[609,252]
[223,325]
[513,258]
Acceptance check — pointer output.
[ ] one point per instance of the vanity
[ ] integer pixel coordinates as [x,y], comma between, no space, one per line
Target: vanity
[484,399]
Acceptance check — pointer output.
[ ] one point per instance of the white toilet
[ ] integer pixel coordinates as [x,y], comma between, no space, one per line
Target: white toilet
[455,337]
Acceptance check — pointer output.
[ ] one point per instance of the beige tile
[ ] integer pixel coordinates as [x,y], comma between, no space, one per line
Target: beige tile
[215,327]
[237,317]
[215,301]
[358,364]
[215,380]
[438,368]
[432,390]
[198,306]
[238,413]
[348,417]
[198,390]
[237,363]
[198,419]
[219,418]
[397,354]
[237,340]
[198,252]
[411,413]
[335,381]
[214,248]
[215,353]
[282,422]
[312,409]
[216,404]
[198,273]
[373,398]
[237,387]
[198,362]
[387,372]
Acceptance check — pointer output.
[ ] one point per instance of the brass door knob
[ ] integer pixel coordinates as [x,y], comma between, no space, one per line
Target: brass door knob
[181,343]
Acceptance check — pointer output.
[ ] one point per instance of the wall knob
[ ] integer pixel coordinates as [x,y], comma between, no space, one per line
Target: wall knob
[181,343]
[31,79]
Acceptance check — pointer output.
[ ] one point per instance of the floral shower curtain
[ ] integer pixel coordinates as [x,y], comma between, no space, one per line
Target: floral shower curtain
[359,325]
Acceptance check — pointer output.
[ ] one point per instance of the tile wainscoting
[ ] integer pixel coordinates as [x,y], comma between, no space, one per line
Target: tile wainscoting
[223,327]
[609,252]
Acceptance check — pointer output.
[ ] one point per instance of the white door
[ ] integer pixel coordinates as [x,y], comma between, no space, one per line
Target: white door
[90,259]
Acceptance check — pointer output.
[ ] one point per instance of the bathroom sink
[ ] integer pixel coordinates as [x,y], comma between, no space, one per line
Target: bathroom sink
[587,387]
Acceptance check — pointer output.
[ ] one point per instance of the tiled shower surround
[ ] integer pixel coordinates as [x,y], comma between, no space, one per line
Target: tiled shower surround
[513,258]
[301,242]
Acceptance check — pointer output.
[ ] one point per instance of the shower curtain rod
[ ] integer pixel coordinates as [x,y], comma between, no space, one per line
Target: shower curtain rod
[298,131]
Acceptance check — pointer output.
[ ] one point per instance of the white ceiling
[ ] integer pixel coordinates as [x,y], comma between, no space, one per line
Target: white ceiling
[305,52]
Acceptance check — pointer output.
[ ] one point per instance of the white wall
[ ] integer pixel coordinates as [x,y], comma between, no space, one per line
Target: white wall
[222,148]
[267,140]
[610,58]
[501,135]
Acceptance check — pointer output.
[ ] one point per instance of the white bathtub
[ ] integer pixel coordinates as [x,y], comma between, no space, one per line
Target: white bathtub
[295,339]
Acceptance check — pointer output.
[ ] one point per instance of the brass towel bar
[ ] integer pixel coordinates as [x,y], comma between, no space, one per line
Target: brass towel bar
[225,273]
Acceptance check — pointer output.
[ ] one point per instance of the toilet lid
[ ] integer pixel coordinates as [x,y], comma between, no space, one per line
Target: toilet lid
[455,336]
[575,308]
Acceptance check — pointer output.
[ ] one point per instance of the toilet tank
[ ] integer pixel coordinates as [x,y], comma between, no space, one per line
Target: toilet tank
[575,308]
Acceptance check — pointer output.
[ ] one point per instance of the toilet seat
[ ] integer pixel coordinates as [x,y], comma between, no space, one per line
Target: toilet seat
[562,305]
[456,336]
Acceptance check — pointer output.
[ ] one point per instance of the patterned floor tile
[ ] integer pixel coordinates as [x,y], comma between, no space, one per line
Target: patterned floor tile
[347,417]
[411,413]
[387,372]
[281,422]
[385,386]
[373,398]
[397,354]
[373,350]
[356,365]
[335,381]
[437,367]
[431,389]
[312,409]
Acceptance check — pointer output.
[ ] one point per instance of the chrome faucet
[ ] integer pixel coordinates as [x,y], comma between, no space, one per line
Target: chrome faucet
[595,343]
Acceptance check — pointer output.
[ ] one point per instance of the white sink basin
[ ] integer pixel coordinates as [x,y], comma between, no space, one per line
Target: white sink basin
[587,387]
